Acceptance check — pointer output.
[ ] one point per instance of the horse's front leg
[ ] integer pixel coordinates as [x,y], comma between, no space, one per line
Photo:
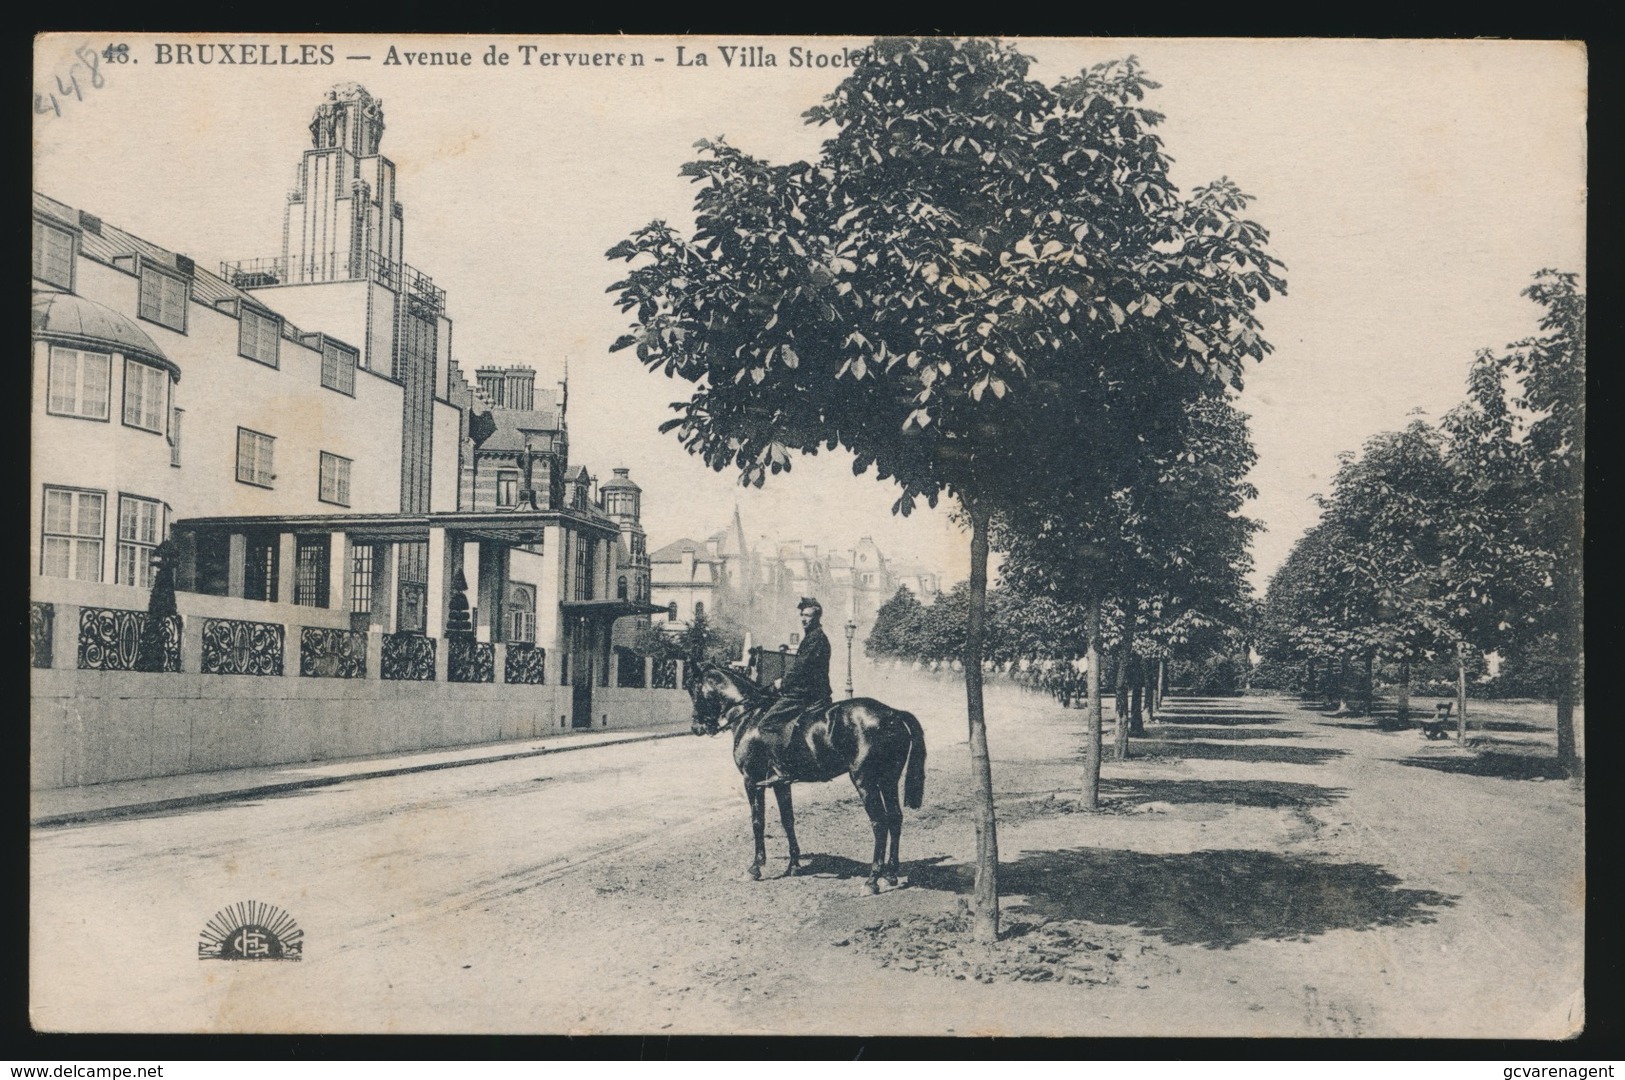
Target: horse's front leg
[758,826]
[787,817]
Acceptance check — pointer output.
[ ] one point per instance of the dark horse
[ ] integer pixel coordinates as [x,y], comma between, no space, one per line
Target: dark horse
[870,742]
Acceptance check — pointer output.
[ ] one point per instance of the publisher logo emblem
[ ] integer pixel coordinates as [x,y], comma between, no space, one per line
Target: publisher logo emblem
[251,931]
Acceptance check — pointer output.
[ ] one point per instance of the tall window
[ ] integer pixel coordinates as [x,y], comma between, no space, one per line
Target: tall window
[53,255]
[310,578]
[140,528]
[78,383]
[620,588]
[175,416]
[361,579]
[338,367]
[258,336]
[507,489]
[335,479]
[163,298]
[254,458]
[584,568]
[522,613]
[260,568]
[72,533]
[146,396]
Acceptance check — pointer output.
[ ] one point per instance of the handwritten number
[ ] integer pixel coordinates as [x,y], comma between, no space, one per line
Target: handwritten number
[89,58]
[39,101]
[73,86]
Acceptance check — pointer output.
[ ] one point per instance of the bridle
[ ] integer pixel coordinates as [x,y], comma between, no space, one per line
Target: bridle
[712,713]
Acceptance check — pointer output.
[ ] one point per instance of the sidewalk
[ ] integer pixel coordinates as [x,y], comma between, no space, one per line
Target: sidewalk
[131,798]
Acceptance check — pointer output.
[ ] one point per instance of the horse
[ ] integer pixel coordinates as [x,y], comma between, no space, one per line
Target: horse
[871,742]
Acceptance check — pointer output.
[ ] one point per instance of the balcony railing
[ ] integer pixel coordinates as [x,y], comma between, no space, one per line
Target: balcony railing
[336,266]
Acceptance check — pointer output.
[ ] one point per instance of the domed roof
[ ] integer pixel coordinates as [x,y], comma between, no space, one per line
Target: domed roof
[621,482]
[73,320]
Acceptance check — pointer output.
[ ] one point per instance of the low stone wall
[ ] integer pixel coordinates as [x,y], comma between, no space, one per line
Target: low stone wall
[91,727]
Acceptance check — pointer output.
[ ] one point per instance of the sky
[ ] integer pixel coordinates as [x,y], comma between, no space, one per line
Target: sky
[1412,188]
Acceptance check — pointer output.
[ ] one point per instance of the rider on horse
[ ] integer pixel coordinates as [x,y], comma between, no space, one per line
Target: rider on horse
[804,690]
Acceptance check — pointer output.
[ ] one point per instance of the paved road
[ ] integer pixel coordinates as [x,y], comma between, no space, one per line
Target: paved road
[1286,875]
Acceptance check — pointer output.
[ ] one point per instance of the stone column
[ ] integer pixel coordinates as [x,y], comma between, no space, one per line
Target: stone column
[287,567]
[442,570]
[383,588]
[338,571]
[236,565]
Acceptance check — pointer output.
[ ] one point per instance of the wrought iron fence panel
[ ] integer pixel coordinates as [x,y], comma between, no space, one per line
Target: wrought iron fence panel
[41,628]
[665,675]
[408,657]
[329,653]
[470,661]
[526,665]
[629,671]
[110,639]
[241,647]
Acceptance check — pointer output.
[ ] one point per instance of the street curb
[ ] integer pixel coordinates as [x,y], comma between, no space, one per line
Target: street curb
[158,806]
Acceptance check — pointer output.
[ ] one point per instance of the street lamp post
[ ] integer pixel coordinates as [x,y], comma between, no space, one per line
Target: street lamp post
[851,632]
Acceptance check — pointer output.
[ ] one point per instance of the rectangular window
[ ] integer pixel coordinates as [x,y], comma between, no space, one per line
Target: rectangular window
[338,368]
[507,489]
[140,528]
[361,579]
[53,255]
[163,298]
[523,628]
[335,479]
[146,396]
[175,416]
[254,458]
[78,383]
[72,534]
[310,571]
[260,569]
[258,336]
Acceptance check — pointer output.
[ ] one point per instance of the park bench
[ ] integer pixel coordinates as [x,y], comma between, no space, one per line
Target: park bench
[1439,726]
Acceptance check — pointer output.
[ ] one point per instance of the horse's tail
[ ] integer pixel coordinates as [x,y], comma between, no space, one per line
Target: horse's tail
[914,780]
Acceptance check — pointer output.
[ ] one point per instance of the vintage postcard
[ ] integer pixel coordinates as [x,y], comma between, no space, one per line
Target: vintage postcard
[807,536]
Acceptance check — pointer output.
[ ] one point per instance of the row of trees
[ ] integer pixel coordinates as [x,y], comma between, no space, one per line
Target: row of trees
[986,289]
[1456,539]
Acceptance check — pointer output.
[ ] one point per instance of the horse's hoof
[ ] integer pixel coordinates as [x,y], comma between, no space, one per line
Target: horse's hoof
[872,887]
[755,873]
[892,881]
[793,870]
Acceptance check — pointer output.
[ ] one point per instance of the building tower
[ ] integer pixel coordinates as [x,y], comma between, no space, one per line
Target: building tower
[509,387]
[342,217]
[622,501]
[342,268]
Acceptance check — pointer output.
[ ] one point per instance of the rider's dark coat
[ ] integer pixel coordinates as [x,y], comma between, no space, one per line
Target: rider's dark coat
[808,681]
[806,686]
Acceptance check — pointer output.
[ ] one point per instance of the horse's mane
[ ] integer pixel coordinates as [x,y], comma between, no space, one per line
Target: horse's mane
[748,688]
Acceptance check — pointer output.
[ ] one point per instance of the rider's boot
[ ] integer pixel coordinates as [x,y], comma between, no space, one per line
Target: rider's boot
[776,775]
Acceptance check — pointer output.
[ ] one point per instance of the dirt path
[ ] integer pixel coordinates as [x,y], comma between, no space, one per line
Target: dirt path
[1259,869]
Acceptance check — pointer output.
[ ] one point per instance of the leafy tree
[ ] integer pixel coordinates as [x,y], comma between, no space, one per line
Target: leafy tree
[897,623]
[974,254]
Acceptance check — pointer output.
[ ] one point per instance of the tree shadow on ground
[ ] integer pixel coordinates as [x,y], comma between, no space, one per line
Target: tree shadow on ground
[1216,899]
[1505,766]
[1265,794]
[1220,719]
[823,864]
[1187,732]
[1254,752]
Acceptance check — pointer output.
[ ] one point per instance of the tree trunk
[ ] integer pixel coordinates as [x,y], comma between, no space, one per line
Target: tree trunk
[1405,690]
[1162,679]
[1151,693]
[1370,682]
[1461,697]
[1125,653]
[985,909]
[1091,745]
[1340,689]
[1136,707]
